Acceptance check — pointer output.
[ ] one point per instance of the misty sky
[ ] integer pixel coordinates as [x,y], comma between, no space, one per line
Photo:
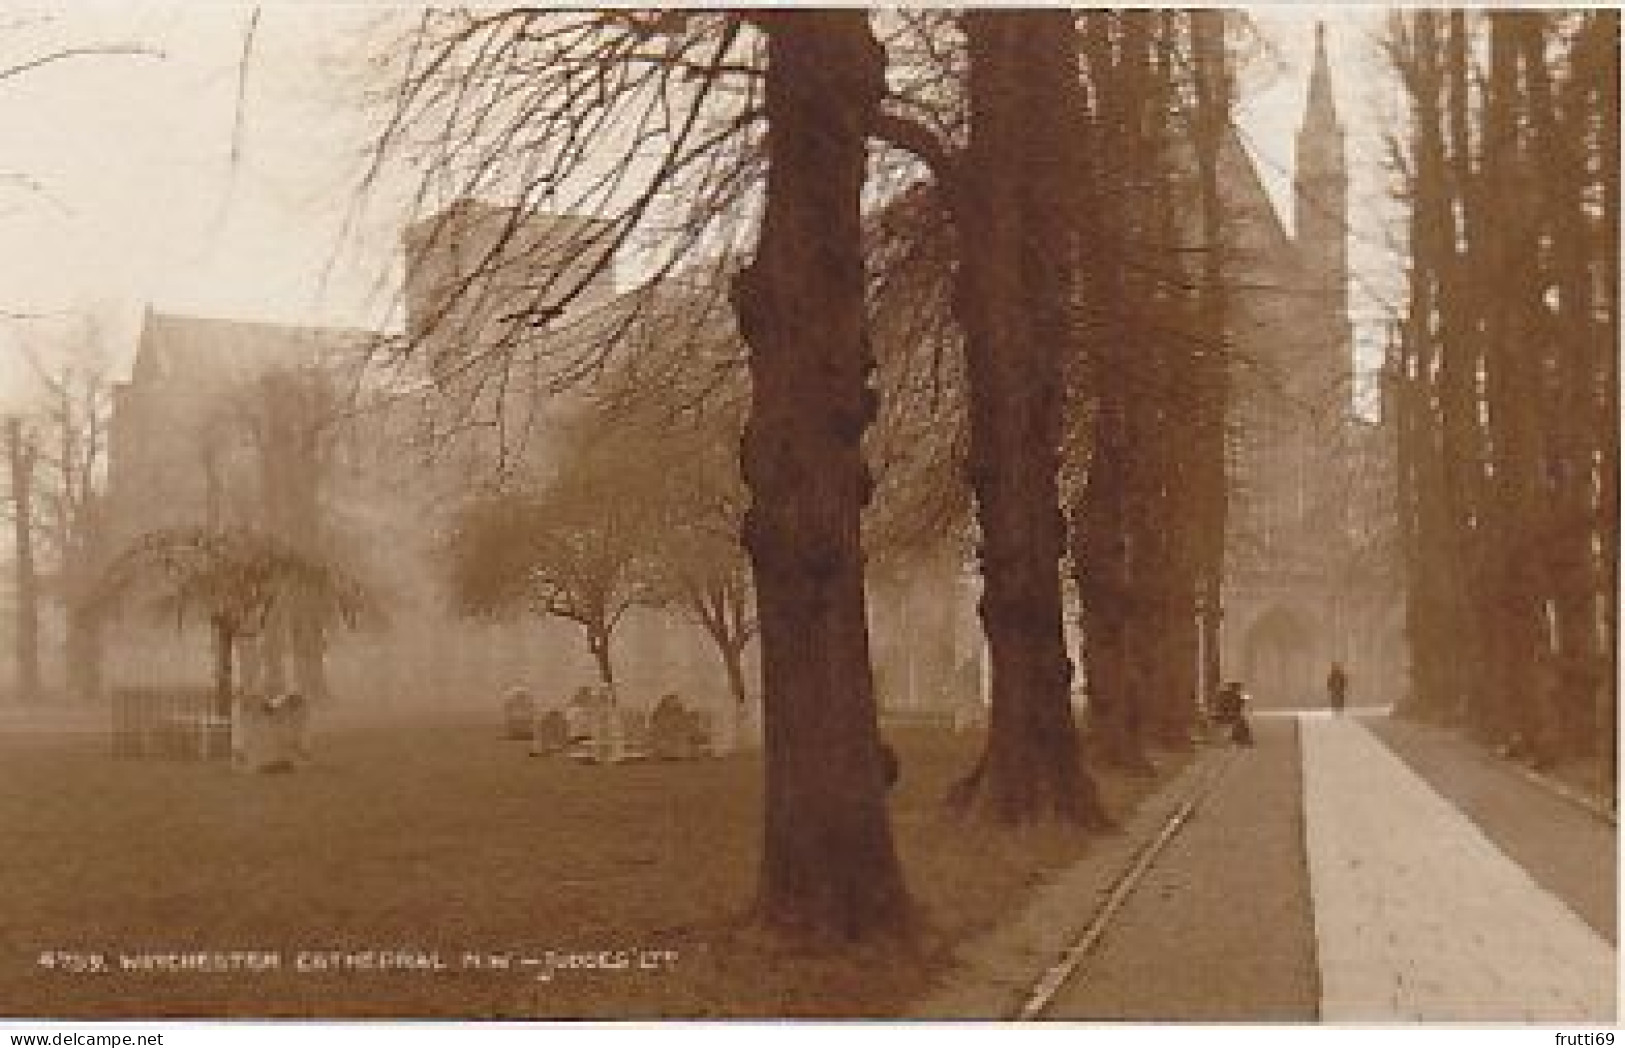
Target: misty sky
[127,180]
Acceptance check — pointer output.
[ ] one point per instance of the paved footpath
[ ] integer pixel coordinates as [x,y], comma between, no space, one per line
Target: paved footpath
[1418,916]
[1323,878]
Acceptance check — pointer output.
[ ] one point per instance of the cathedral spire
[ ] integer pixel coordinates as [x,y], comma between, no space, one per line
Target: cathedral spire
[1321,112]
[1322,174]
[1321,216]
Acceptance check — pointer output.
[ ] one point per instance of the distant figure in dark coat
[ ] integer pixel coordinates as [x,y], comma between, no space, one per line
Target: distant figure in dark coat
[1337,687]
[1230,709]
[889,766]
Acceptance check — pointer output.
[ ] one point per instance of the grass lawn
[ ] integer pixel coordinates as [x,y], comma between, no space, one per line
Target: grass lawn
[433,835]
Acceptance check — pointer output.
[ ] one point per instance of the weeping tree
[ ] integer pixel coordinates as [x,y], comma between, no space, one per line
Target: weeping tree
[287,417]
[232,579]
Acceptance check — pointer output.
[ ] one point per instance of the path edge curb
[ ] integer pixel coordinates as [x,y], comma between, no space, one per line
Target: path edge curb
[1209,772]
[995,971]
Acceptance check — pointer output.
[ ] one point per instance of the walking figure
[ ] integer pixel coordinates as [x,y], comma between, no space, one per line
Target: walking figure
[1230,709]
[1337,687]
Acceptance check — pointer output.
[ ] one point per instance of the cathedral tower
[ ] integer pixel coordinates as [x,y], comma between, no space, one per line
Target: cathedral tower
[1320,217]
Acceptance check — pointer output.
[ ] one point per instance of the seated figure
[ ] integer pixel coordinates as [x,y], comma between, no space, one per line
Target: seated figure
[1230,710]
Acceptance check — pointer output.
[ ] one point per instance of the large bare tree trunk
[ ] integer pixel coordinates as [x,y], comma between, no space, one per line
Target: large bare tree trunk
[1447,619]
[829,867]
[1601,62]
[1514,391]
[733,664]
[225,684]
[1099,563]
[21,456]
[1419,450]
[1015,220]
[1211,366]
[1462,642]
[598,643]
[1169,514]
[1100,540]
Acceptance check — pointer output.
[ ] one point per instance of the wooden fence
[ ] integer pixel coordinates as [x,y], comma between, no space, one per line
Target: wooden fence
[177,722]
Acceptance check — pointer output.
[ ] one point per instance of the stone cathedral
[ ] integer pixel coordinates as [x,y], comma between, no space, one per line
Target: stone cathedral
[1308,577]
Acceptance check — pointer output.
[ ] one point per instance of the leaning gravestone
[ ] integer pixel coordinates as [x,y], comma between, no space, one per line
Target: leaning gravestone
[671,730]
[518,714]
[549,733]
[272,732]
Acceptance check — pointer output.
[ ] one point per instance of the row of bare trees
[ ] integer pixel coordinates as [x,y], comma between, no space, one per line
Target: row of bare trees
[54,480]
[1046,185]
[1152,450]
[1507,375]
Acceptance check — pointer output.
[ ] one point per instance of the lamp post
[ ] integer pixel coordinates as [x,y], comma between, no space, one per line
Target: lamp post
[1208,615]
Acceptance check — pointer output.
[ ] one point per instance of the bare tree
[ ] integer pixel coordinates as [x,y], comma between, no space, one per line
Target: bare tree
[579,547]
[701,563]
[72,422]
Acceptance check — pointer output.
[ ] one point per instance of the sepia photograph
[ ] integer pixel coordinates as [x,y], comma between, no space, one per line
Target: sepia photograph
[1002,516]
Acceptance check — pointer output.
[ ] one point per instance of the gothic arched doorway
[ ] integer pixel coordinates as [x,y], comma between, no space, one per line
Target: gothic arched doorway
[1278,659]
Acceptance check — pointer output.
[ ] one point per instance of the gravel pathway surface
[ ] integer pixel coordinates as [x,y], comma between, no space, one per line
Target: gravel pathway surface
[1418,915]
[1220,929]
